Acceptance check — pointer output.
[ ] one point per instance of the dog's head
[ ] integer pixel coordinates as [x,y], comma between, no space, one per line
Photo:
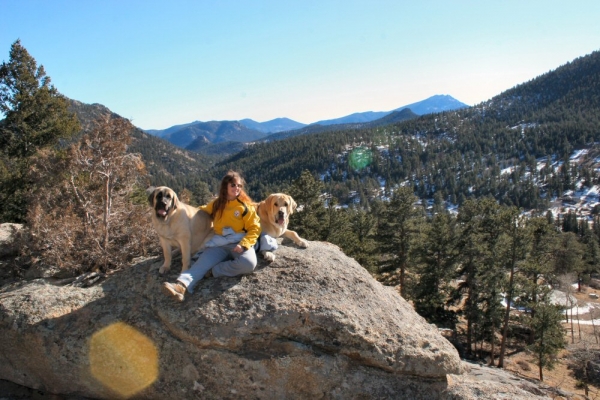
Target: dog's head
[279,207]
[163,200]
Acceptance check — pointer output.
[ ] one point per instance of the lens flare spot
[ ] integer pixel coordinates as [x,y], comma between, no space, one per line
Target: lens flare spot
[123,359]
[360,158]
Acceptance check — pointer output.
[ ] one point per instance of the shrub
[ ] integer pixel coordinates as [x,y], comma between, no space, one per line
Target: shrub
[82,215]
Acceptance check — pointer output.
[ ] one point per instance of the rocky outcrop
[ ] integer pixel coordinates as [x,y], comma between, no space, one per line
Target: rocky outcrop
[7,234]
[313,324]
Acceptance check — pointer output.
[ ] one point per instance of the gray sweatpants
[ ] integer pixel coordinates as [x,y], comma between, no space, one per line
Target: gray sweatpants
[222,261]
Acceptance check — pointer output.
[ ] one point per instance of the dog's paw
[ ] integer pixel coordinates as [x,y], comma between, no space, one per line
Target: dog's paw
[268,256]
[164,269]
[302,243]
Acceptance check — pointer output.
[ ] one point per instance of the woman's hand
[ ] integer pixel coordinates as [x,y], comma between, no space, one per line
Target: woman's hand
[238,249]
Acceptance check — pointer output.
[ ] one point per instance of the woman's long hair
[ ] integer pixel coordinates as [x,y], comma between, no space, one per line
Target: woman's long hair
[221,201]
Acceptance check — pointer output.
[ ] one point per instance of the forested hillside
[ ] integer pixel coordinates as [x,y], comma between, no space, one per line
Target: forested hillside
[456,155]
[514,147]
[166,163]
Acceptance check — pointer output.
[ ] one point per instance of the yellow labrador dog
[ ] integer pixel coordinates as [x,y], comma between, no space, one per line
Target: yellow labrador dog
[178,225]
[274,213]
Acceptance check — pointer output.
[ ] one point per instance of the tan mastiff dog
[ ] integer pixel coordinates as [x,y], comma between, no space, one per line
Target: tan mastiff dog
[178,225]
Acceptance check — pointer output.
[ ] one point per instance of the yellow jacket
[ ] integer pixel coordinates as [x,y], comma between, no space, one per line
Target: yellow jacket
[238,216]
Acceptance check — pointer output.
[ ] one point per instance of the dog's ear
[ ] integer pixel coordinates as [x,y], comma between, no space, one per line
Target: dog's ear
[292,204]
[175,200]
[268,202]
[150,192]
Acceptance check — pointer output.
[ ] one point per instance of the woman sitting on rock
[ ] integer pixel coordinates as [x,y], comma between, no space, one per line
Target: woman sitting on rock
[230,252]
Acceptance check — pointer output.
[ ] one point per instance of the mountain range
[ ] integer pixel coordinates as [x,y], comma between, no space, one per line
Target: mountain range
[433,104]
[197,135]
[272,126]
[517,147]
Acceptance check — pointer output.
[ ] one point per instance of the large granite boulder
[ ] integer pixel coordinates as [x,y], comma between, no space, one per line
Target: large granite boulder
[312,324]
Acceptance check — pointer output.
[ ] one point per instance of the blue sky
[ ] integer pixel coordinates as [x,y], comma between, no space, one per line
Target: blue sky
[163,63]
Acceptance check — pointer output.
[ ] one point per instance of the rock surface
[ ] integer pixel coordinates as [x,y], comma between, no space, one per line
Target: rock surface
[7,231]
[312,324]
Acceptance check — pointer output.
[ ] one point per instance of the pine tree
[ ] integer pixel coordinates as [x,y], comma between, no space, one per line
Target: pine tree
[363,224]
[339,229]
[570,223]
[36,117]
[397,228]
[549,337]
[492,276]
[437,254]
[568,254]
[537,269]
[517,245]
[480,233]
[591,254]
[310,217]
